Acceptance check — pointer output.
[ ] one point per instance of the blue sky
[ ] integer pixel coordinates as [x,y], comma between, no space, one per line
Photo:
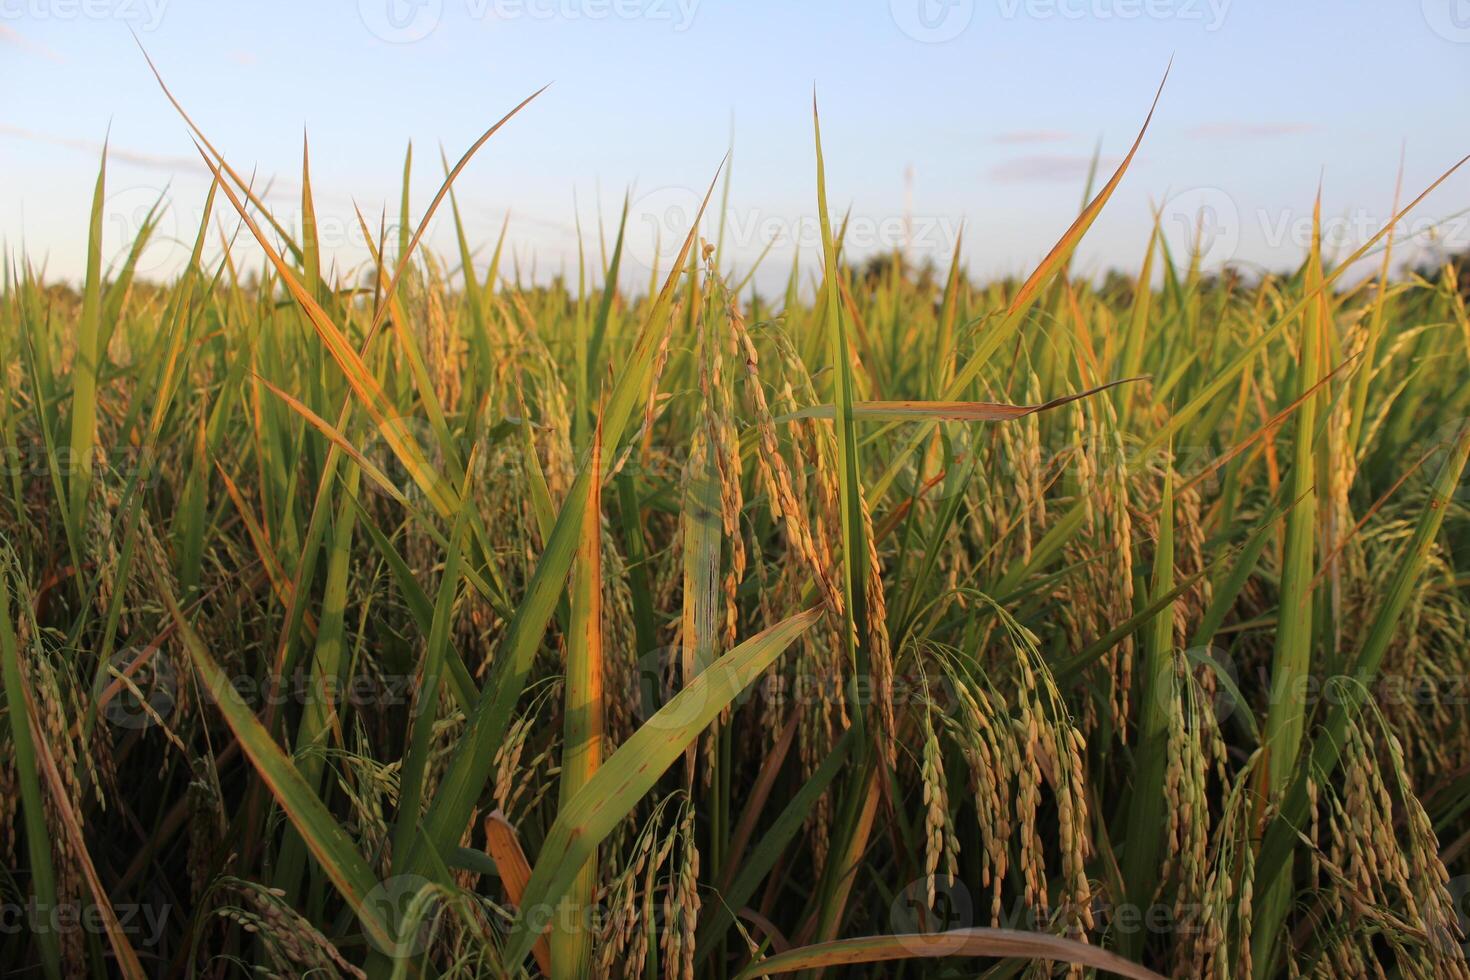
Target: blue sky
[995,105]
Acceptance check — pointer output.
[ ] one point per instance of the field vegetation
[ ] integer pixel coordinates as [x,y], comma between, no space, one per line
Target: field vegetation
[424,620]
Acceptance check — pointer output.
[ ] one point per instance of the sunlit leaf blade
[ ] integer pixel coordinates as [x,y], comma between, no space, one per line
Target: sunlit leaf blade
[898,411]
[626,775]
[582,727]
[1005,943]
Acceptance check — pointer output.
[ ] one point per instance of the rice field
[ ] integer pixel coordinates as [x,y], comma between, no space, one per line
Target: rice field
[421,619]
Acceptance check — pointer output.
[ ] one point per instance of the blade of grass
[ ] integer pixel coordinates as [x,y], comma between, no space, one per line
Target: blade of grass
[32,805]
[947,410]
[1003,331]
[122,949]
[1292,663]
[1147,805]
[632,770]
[849,479]
[582,726]
[954,943]
[504,848]
[426,697]
[472,762]
[86,366]
[324,673]
[1274,860]
[328,842]
[772,844]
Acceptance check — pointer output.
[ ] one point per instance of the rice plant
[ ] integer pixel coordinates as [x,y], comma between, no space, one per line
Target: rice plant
[423,619]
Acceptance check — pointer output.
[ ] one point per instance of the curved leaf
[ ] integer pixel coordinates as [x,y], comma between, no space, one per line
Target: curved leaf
[956,942]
